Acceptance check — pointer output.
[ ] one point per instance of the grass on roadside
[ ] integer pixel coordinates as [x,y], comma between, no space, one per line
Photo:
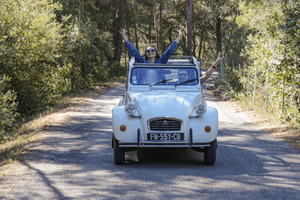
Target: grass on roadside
[16,147]
[265,118]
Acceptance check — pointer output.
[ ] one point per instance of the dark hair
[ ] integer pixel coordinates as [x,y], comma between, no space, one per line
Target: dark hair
[180,70]
[145,52]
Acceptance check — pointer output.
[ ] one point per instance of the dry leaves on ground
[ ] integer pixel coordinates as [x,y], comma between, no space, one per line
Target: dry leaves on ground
[264,122]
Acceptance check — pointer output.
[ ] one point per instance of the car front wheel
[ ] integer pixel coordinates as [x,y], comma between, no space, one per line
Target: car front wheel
[210,153]
[118,153]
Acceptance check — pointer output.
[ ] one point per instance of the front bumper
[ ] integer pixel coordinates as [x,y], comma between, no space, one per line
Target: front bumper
[164,144]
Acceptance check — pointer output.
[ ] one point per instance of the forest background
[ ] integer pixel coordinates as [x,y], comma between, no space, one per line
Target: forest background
[51,48]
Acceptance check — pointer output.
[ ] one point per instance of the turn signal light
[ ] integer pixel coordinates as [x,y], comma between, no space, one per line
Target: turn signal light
[207,128]
[122,128]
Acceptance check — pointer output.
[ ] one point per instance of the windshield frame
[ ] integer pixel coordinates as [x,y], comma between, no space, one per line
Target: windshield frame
[161,68]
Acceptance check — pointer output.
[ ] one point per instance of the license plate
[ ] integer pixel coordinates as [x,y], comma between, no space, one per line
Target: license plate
[165,136]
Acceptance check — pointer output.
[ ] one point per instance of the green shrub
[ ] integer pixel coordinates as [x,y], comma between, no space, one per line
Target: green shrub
[8,107]
[30,40]
[46,58]
[273,55]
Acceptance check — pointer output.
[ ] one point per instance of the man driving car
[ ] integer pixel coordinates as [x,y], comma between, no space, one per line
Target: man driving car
[183,76]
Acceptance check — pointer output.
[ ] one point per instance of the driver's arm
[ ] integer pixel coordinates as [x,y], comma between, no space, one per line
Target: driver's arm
[207,74]
[211,69]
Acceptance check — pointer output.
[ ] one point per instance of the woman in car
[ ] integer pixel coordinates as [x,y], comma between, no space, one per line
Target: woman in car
[151,54]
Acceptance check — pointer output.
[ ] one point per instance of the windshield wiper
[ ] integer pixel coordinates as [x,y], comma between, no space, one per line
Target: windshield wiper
[163,81]
[188,81]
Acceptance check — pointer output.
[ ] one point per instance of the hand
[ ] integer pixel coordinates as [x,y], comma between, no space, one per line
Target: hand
[179,36]
[219,59]
[122,32]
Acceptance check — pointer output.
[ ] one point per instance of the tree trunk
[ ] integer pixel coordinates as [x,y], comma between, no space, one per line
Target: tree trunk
[189,27]
[156,26]
[136,37]
[129,38]
[135,30]
[184,39]
[201,40]
[161,28]
[150,29]
[218,28]
[117,25]
[219,34]
[82,64]
[230,34]
[81,11]
[170,36]
[194,42]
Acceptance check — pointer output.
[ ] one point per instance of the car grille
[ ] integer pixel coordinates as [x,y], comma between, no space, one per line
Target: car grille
[165,124]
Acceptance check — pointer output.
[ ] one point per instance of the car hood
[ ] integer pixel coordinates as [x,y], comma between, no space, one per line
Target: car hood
[157,104]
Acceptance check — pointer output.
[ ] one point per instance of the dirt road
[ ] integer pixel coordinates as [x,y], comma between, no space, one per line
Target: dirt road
[75,161]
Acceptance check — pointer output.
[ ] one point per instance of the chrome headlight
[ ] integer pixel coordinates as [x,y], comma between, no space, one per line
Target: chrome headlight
[130,108]
[200,109]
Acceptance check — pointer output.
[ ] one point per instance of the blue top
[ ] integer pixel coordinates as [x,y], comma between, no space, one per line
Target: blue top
[140,59]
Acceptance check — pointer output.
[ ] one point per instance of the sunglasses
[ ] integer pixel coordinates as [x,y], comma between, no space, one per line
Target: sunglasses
[152,50]
[183,74]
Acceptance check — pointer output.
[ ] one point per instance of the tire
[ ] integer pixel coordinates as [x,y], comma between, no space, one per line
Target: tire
[210,153]
[118,153]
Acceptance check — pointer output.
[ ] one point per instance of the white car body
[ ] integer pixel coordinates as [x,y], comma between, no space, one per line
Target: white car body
[164,114]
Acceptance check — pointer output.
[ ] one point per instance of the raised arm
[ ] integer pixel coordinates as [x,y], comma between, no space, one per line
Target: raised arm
[211,69]
[217,62]
[168,53]
[132,50]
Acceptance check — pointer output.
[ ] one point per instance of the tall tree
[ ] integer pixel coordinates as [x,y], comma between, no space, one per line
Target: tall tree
[81,10]
[218,27]
[118,23]
[156,17]
[161,27]
[189,26]
[135,30]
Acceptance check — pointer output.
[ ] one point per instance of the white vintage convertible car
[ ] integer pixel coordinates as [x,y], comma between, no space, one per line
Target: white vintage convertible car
[163,107]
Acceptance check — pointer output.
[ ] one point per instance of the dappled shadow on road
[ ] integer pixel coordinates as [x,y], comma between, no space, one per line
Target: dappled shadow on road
[78,162]
[75,160]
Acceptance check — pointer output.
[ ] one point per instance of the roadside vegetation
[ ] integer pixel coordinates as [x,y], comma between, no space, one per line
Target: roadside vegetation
[51,49]
[270,78]
[45,56]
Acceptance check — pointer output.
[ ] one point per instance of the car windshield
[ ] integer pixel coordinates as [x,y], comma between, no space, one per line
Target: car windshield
[164,76]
